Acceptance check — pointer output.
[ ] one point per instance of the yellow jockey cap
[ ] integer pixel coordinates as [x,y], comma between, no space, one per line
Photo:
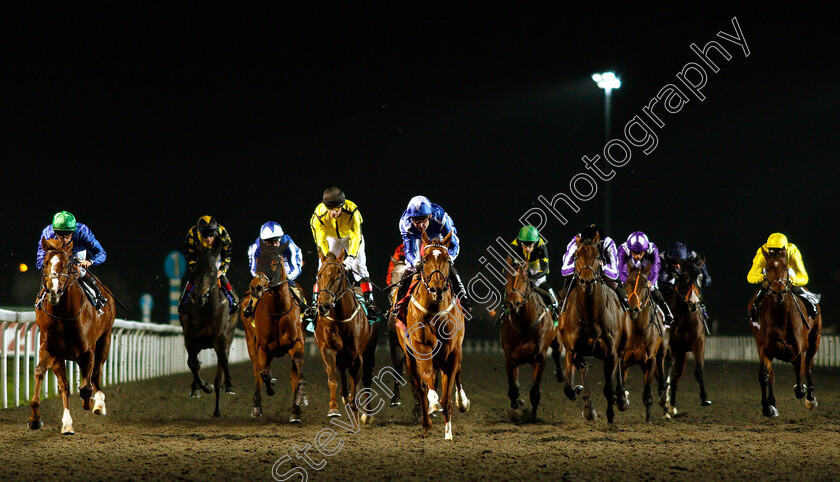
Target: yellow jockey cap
[777,240]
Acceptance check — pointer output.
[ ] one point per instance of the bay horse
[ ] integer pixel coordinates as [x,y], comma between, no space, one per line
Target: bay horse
[687,333]
[785,332]
[271,318]
[645,346]
[397,353]
[527,331]
[593,325]
[70,329]
[207,323]
[433,336]
[345,338]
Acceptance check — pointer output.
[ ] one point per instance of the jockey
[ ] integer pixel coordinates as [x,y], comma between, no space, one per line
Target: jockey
[421,215]
[337,226]
[609,263]
[639,251]
[531,248]
[204,233]
[777,245]
[671,263]
[86,249]
[271,233]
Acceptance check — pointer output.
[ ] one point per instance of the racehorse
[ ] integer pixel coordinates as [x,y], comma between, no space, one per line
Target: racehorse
[785,332]
[593,325]
[271,318]
[71,329]
[346,339]
[397,353]
[687,332]
[528,330]
[433,335]
[207,323]
[645,346]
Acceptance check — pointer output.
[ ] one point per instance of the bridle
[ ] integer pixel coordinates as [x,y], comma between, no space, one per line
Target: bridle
[513,289]
[642,303]
[64,280]
[597,272]
[344,282]
[426,279]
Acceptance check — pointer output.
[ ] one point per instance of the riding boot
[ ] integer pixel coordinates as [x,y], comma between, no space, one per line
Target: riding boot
[98,300]
[402,291]
[367,293]
[753,315]
[185,296]
[809,302]
[619,290]
[660,301]
[458,289]
[310,314]
[229,293]
[567,286]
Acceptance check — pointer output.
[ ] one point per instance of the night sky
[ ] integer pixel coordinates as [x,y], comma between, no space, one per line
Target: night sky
[141,121]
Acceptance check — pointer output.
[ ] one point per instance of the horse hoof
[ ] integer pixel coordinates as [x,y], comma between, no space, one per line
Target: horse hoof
[590,415]
[99,410]
[811,404]
[86,403]
[256,412]
[333,413]
[67,430]
[520,403]
[666,416]
[770,411]
[207,388]
[230,391]
[294,419]
[217,414]
[672,410]
[195,394]
[343,401]
[705,403]
[366,419]
[570,392]
[34,424]
[396,402]
[464,406]
[304,402]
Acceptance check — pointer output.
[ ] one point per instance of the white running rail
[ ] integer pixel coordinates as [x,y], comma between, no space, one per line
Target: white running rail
[139,351]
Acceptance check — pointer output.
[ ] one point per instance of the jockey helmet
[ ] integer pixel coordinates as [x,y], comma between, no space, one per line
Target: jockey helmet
[419,207]
[590,231]
[64,222]
[528,234]
[638,242]
[777,241]
[270,230]
[333,197]
[207,226]
[677,252]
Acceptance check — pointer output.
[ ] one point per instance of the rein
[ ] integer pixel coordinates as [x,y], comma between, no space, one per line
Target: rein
[262,275]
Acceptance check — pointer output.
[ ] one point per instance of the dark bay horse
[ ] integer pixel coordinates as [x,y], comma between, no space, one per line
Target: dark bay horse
[70,329]
[687,333]
[346,339]
[527,332]
[397,353]
[433,336]
[593,325]
[207,323]
[271,318]
[785,332]
[645,346]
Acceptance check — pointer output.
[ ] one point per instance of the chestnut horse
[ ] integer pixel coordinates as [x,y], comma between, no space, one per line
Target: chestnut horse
[71,329]
[787,333]
[528,330]
[346,339]
[645,346]
[271,318]
[433,336]
[207,322]
[593,325]
[687,332]
[397,353]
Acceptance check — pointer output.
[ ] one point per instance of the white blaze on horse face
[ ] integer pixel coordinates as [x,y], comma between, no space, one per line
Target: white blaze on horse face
[436,253]
[54,281]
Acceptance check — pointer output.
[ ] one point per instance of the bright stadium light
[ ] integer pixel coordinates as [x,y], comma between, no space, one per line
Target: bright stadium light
[607,81]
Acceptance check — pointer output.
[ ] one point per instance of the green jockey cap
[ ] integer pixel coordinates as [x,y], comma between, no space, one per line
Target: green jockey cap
[64,221]
[528,234]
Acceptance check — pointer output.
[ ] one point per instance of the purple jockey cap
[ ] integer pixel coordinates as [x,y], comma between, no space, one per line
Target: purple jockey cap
[638,241]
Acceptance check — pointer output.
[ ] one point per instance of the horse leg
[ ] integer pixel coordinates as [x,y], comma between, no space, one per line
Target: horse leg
[610,373]
[647,395]
[810,399]
[461,400]
[221,366]
[329,362]
[799,373]
[45,360]
[513,389]
[103,347]
[660,372]
[368,361]
[447,382]
[398,359]
[264,366]
[571,392]
[60,371]
[765,379]
[556,352]
[256,410]
[698,349]
[85,364]
[195,366]
[538,366]
[621,395]
[296,380]
[589,412]
[355,371]
[297,355]
[676,372]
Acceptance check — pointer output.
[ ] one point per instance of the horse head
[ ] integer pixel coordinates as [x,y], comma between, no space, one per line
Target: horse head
[587,263]
[638,293]
[332,280]
[517,287]
[434,266]
[776,274]
[206,270]
[270,272]
[59,267]
[690,282]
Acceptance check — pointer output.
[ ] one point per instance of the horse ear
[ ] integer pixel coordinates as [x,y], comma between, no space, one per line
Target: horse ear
[216,247]
[577,240]
[342,256]
[448,239]
[282,248]
[321,255]
[425,237]
[646,270]
[765,253]
[596,238]
[701,262]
